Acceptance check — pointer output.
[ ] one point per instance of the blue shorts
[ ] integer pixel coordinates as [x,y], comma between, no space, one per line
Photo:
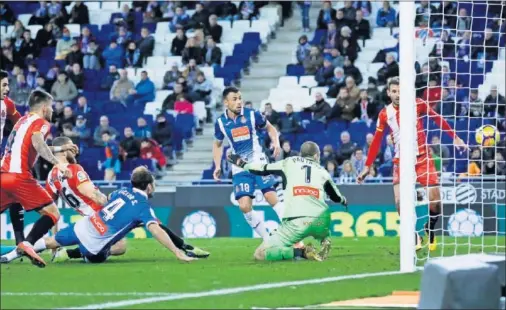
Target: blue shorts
[245,182]
[68,237]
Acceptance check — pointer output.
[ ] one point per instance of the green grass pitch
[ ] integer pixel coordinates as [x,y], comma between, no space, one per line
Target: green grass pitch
[148,271]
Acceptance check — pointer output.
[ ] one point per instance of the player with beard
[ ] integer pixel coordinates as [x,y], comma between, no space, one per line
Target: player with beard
[128,208]
[82,195]
[26,142]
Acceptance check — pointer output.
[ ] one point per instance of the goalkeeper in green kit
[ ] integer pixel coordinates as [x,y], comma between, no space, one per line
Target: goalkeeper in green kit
[307,214]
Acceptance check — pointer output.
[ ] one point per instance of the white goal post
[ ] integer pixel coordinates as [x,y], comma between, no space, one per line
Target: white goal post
[407,122]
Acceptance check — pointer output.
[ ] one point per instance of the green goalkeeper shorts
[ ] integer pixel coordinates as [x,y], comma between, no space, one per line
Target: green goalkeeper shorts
[293,230]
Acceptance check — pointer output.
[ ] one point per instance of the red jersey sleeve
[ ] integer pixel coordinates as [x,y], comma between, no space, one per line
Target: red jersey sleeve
[79,174]
[422,108]
[12,114]
[42,126]
[378,136]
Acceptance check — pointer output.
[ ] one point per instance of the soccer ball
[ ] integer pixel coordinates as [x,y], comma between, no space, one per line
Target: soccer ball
[199,224]
[465,223]
[487,135]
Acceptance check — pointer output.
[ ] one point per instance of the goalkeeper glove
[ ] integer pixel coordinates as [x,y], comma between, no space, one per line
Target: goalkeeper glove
[236,160]
[344,202]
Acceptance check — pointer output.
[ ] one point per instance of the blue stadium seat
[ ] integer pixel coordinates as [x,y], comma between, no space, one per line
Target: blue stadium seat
[93,29]
[318,35]
[207,174]
[185,123]
[336,127]
[314,127]
[294,70]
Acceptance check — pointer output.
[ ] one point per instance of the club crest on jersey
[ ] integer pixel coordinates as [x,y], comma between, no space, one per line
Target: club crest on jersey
[81,176]
[243,120]
[240,134]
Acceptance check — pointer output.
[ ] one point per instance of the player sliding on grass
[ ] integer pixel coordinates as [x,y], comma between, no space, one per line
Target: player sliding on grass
[307,214]
[239,126]
[426,173]
[126,209]
[82,195]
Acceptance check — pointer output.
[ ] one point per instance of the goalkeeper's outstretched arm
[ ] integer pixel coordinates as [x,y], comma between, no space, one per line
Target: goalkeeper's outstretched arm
[333,192]
[265,169]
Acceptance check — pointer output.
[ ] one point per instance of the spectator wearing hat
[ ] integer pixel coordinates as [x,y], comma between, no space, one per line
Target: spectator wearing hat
[64,89]
[151,150]
[325,73]
[113,55]
[64,44]
[80,133]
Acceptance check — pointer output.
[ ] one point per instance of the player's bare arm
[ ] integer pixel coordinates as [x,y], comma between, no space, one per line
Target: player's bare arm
[161,236]
[46,152]
[273,134]
[89,190]
[217,154]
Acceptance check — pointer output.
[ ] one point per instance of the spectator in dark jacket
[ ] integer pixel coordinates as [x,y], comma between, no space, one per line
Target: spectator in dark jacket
[346,148]
[248,10]
[367,108]
[29,48]
[127,18]
[351,70]
[113,55]
[349,11]
[320,109]
[338,81]
[133,56]
[110,78]
[74,57]
[79,14]
[6,14]
[313,62]
[214,29]
[324,75]
[290,122]
[168,103]
[192,51]
[361,27]
[286,150]
[495,103]
[162,133]
[76,75]
[212,53]
[386,15]
[271,115]
[326,15]
[130,147]
[200,16]
[178,43]
[45,36]
[444,47]
[389,69]
[146,44]
[489,46]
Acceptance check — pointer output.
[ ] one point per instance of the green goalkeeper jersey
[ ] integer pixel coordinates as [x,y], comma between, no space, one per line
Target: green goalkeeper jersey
[305,183]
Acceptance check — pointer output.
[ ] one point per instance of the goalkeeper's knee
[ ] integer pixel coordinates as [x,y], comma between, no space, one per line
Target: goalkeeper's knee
[279,253]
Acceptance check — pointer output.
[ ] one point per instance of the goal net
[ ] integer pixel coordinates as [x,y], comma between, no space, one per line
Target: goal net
[459,57]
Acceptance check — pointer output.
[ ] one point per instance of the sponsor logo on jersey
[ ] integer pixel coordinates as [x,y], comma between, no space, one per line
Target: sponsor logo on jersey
[240,134]
[81,176]
[306,191]
[98,224]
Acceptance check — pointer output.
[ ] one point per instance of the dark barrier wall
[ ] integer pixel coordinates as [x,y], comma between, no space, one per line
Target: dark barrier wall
[470,209]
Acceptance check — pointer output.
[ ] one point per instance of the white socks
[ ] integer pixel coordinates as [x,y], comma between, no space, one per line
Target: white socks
[279,208]
[256,223]
[40,245]
[12,255]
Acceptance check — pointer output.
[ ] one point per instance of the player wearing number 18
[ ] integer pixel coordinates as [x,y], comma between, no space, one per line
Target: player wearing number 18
[305,183]
[127,208]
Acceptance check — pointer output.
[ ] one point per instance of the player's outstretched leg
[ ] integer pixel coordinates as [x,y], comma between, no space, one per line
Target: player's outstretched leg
[276,253]
[17,214]
[251,217]
[190,250]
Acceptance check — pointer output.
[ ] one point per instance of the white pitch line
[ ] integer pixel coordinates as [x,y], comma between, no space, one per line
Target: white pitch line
[234,290]
[90,294]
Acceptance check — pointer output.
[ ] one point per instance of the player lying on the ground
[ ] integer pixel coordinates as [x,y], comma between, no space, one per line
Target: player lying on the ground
[239,126]
[95,235]
[26,142]
[426,173]
[82,195]
[307,214]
